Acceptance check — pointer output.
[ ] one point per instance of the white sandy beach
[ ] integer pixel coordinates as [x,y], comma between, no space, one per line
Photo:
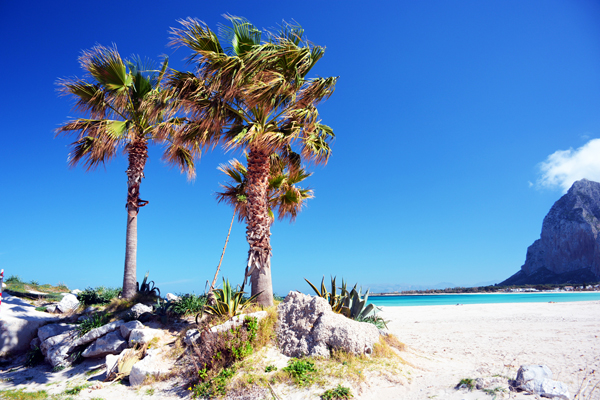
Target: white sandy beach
[448,343]
[444,345]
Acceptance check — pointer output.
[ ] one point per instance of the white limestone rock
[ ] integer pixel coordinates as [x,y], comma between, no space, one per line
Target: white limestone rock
[152,365]
[537,379]
[68,303]
[56,348]
[52,308]
[50,330]
[308,327]
[139,309]
[143,336]
[98,332]
[129,326]
[172,297]
[111,343]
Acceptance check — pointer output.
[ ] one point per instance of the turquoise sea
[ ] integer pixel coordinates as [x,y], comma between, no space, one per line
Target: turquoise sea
[452,299]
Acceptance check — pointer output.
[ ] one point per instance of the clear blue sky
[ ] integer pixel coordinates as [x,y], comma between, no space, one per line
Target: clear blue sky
[445,113]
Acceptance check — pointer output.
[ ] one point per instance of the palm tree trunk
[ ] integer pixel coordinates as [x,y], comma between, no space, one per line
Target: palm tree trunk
[211,295]
[138,154]
[258,230]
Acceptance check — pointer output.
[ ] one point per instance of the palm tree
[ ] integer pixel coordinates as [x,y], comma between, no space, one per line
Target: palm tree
[254,95]
[126,110]
[283,194]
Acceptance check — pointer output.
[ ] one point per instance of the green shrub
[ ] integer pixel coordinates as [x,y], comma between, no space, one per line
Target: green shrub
[270,368]
[14,279]
[93,322]
[338,393]
[217,358]
[214,387]
[99,295]
[302,371]
[188,304]
[41,309]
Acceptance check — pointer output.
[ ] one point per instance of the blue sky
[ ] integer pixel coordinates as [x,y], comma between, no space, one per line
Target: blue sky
[458,124]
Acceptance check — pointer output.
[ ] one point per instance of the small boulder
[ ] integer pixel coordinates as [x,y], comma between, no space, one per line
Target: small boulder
[76,292]
[192,336]
[152,365]
[143,336]
[68,303]
[537,379]
[50,330]
[111,343]
[56,348]
[308,327]
[139,309]
[129,326]
[52,309]
[172,297]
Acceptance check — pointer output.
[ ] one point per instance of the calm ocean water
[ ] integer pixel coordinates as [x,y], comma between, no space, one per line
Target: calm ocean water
[451,299]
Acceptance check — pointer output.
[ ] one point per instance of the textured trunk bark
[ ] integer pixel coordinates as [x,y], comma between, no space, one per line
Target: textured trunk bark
[138,154]
[258,230]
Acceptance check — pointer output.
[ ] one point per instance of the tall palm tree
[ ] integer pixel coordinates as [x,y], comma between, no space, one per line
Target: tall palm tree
[254,95]
[126,110]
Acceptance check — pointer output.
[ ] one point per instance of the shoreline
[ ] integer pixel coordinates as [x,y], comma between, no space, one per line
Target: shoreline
[482,293]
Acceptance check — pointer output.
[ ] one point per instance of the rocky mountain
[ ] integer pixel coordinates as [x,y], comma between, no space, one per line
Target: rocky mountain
[568,250]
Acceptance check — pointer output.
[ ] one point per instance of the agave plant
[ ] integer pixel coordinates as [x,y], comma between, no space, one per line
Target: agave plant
[335,301]
[147,287]
[351,304]
[229,302]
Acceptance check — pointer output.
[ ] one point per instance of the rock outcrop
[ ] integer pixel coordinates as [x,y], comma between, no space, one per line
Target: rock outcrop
[19,323]
[568,250]
[308,327]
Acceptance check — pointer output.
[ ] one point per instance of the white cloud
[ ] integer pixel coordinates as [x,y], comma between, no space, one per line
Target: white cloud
[563,167]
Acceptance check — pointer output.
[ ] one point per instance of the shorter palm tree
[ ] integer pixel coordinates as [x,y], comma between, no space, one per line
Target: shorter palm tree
[284,197]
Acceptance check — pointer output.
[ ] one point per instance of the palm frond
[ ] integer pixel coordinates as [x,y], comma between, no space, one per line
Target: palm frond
[196,35]
[107,67]
[241,37]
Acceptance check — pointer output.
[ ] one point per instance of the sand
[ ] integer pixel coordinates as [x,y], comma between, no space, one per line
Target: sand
[444,345]
[449,343]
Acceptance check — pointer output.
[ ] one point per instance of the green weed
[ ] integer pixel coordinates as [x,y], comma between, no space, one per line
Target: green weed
[93,322]
[302,371]
[338,393]
[188,304]
[77,389]
[20,394]
[466,383]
